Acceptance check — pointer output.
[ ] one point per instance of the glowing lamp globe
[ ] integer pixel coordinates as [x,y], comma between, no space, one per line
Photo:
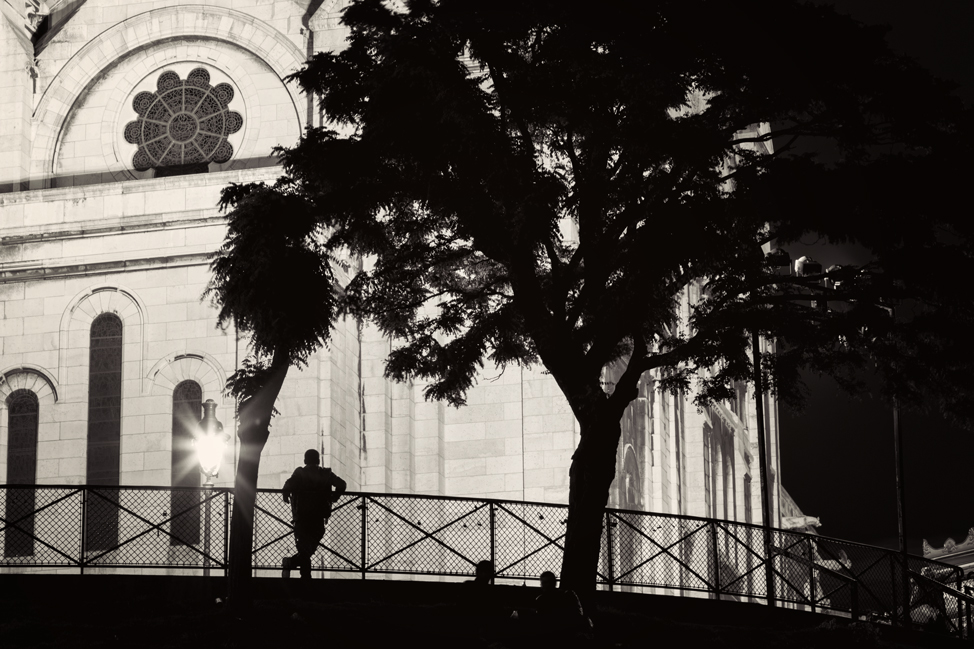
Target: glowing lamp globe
[211,442]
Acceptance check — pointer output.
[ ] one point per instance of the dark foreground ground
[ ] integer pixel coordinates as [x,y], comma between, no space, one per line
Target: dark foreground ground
[62,611]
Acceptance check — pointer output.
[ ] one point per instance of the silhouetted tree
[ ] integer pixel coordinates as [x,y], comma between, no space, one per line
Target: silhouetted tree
[269,265]
[465,134]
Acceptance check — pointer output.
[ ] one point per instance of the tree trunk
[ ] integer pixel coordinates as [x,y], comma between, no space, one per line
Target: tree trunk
[590,476]
[242,526]
[255,416]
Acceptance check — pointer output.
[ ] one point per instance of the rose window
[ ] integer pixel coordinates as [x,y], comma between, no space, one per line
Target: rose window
[183,122]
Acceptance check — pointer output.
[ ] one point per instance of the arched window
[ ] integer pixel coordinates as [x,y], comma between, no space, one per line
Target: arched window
[187,409]
[21,470]
[104,429]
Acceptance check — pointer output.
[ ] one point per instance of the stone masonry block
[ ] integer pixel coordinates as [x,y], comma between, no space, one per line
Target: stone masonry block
[513,446]
[131,462]
[504,464]
[426,464]
[465,432]
[464,467]
[157,460]
[539,478]
[476,485]
[509,428]
[537,442]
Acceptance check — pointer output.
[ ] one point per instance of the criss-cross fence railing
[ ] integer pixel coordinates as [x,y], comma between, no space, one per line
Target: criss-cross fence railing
[183,529]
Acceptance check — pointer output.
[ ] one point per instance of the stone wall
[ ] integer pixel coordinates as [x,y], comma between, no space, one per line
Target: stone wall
[84,232]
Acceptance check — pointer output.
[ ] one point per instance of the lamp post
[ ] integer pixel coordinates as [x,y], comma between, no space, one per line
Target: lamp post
[763,470]
[210,444]
[779,260]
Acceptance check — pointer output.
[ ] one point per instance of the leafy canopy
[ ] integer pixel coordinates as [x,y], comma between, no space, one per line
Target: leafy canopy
[545,181]
[274,279]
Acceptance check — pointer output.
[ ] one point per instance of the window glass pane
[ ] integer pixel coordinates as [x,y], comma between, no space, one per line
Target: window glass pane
[104,429]
[187,409]
[22,411]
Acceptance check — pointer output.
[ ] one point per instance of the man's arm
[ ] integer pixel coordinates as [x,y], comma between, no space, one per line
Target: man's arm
[289,485]
[339,486]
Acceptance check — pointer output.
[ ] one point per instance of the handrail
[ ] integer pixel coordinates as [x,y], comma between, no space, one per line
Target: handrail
[90,527]
[853,584]
[959,623]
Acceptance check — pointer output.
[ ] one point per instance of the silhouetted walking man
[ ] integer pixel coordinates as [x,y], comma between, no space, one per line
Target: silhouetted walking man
[309,490]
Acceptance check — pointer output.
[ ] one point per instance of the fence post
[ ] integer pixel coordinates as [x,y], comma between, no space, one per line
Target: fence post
[493,539]
[608,539]
[84,515]
[226,533]
[854,596]
[967,609]
[811,575]
[715,558]
[897,614]
[365,522]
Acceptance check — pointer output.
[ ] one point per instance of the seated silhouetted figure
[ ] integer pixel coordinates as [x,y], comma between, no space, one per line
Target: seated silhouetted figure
[483,598]
[484,574]
[559,609]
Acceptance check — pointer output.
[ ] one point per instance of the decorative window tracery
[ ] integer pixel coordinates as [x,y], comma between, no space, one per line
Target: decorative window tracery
[184,122]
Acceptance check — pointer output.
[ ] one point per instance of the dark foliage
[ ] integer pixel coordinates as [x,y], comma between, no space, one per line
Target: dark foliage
[471,135]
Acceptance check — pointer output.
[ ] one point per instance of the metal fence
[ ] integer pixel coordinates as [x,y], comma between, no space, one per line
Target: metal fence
[186,530]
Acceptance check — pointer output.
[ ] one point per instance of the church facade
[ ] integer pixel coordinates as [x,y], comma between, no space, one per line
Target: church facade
[120,122]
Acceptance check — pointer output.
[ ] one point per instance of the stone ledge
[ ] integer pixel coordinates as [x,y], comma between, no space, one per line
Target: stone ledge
[139,186]
[144,223]
[33,273]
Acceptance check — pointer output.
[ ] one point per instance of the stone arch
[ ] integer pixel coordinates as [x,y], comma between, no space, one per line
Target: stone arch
[28,377]
[190,365]
[76,324]
[116,43]
[44,386]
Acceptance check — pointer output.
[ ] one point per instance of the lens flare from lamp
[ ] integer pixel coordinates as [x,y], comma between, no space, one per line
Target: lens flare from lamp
[210,448]
[210,442]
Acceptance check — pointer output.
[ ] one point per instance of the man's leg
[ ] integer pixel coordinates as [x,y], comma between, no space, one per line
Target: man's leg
[307,542]
[289,563]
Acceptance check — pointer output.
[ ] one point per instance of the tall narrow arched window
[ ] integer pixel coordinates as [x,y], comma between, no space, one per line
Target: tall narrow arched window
[22,411]
[104,429]
[187,409]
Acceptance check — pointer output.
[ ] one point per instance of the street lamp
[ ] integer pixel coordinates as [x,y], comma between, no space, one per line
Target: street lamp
[210,442]
[780,261]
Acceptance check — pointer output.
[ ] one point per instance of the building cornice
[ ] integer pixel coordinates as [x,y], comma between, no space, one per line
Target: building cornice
[168,183]
[34,272]
[97,228]
[950,547]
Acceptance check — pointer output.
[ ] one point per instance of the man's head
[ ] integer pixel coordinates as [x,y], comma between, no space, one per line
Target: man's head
[311,457]
[484,571]
[548,580]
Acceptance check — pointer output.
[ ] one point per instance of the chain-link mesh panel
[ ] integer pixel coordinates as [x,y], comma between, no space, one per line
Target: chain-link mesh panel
[878,573]
[147,528]
[740,558]
[47,535]
[186,528]
[530,539]
[343,536]
[273,530]
[791,568]
[652,550]
[744,555]
[939,608]
[425,535]
[339,549]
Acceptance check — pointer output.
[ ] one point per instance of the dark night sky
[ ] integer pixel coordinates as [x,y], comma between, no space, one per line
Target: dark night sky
[837,456]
